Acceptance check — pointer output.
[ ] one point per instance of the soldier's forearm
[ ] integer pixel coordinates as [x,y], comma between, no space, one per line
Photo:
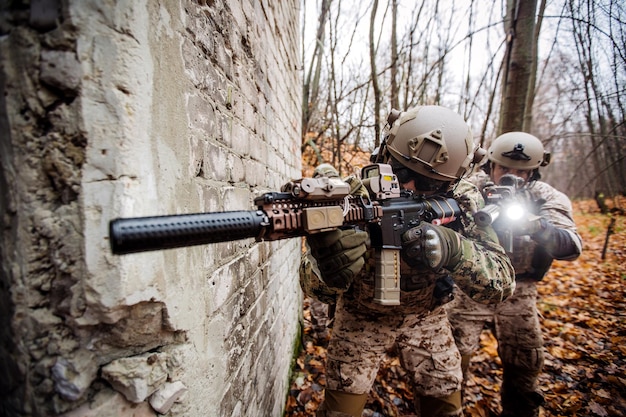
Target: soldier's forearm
[560,243]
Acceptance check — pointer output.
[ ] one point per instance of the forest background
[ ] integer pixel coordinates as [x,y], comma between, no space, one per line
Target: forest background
[555,69]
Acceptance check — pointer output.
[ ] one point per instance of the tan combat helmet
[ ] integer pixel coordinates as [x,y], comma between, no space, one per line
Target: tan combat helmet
[433,141]
[518,150]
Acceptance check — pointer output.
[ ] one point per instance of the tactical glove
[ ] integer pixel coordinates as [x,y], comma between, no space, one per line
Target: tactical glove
[559,243]
[434,246]
[325,170]
[543,231]
[339,255]
[529,225]
[357,188]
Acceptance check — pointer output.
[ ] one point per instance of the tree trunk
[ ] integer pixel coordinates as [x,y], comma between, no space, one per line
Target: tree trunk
[311,85]
[519,57]
[395,102]
[532,82]
[375,87]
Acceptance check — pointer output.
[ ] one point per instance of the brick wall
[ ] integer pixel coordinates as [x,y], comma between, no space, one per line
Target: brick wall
[138,108]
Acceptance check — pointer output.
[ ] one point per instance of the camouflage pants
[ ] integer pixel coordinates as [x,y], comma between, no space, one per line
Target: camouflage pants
[517,329]
[425,345]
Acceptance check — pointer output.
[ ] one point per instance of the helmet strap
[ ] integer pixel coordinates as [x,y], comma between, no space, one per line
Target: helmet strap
[380,154]
[534,175]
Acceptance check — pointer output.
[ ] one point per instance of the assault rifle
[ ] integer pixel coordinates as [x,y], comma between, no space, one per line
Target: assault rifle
[303,207]
[504,207]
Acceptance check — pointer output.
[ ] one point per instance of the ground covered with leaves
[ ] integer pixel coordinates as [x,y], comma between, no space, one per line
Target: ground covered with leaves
[583,313]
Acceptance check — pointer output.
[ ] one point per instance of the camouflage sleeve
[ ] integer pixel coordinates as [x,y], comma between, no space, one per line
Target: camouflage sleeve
[311,284]
[484,272]
[311,281]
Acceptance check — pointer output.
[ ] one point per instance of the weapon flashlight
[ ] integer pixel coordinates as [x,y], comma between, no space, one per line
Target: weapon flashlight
[514,212]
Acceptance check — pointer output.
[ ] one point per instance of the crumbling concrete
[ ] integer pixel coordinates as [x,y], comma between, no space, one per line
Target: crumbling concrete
[136,108]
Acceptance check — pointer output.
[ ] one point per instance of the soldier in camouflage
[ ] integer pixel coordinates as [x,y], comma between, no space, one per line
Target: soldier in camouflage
[548,233]
[429,149]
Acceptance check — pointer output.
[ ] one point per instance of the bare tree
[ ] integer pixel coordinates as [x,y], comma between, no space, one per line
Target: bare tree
[607,155]
[374,75]
[530,97]
[569,92]
[395,101]
[311,84]
[578,111]
[520,55]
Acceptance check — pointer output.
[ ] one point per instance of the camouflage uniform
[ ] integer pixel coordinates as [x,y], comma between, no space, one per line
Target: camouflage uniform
[517,327]
[364,330]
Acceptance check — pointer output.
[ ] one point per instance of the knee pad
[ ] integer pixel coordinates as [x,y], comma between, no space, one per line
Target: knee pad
[342,404]
[449,405]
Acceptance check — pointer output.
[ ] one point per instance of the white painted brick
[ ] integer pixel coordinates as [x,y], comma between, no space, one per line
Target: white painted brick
[184,106]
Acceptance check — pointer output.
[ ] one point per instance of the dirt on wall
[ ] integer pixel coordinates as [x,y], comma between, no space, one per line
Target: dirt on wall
[48,359]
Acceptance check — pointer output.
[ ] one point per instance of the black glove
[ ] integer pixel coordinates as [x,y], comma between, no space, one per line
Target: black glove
[339,255]
[529,225]
[434,246]
[558,242]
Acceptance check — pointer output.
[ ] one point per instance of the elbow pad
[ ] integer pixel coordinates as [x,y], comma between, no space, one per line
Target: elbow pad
[559,243]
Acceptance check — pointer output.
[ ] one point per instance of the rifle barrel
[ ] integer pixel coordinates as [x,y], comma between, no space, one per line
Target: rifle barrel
[140,234]
[487,215]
